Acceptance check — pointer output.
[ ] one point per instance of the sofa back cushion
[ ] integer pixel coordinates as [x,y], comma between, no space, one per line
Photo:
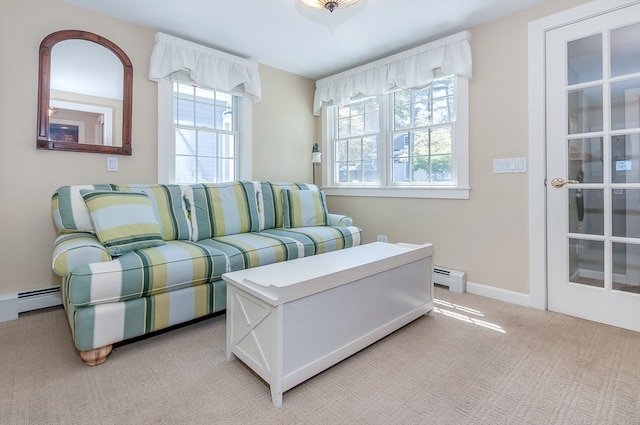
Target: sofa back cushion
[220,209]
[171,202]
[71,215]
[270,202]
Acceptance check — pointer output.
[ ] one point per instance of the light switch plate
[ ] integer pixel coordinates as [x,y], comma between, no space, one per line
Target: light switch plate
[509,165]
[112,163]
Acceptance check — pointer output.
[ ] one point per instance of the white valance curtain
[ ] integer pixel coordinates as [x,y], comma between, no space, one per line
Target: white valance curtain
[208,67]
[412,68]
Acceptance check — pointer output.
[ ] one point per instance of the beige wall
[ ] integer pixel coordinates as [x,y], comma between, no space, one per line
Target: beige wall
[487,235]
[282,134]
[283,127]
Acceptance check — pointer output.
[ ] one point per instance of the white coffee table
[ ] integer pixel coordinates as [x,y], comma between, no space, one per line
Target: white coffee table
[291,320]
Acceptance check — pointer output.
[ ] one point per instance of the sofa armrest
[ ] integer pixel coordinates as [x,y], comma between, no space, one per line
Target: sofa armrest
[73,249]
[339,220]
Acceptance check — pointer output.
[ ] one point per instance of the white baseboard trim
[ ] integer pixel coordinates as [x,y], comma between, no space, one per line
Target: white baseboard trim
[499,294]
[14,303]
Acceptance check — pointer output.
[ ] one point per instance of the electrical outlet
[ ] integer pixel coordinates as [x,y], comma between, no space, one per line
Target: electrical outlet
[383,238]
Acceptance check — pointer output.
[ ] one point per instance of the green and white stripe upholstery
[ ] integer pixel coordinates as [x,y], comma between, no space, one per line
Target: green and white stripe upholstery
[70,213]
[339,220]
[320,239]
[105,324]
[75,249]
[69,210]
[207,229]
[246,250]
[270,202]
[123,221]
[223,209]
[169,201]
[303,208]
[149,271]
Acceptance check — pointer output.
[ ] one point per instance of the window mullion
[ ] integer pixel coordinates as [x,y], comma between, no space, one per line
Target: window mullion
[385,140]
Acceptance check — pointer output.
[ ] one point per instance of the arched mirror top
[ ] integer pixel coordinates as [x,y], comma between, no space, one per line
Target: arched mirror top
[84,94]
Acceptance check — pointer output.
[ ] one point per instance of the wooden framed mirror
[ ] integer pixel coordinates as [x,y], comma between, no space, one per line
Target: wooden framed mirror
[85,92]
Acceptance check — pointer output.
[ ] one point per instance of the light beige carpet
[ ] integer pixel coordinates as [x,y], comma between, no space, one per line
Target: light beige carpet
[476,361]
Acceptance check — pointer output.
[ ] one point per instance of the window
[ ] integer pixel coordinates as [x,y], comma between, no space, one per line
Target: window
[205,132]
[411,143]
[203,136]
[204,111]
[358,128]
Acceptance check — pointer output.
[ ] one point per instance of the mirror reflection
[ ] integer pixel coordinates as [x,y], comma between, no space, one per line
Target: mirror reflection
[84,94]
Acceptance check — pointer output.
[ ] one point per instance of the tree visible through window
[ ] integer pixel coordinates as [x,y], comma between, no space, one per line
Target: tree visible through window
[357,142]
[414,147]
[423,133]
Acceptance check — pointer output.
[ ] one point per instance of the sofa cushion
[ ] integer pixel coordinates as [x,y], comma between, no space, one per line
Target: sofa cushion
[149,271]
[270,202]
[123,221]
[223,209]
[303,208]
[320,239]
[247,250]
[105,324]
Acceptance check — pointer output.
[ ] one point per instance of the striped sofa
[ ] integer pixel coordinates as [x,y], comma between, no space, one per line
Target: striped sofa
[135,259]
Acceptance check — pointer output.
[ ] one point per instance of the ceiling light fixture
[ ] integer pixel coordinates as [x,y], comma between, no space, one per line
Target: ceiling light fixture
[329,4]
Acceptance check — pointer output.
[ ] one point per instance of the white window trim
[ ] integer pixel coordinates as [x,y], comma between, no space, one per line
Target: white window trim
[461,189]
[166,149]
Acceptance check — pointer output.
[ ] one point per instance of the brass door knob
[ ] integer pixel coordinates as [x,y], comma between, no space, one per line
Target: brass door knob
[559,182]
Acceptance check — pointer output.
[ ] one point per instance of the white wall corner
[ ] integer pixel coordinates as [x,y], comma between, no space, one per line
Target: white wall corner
[8,306]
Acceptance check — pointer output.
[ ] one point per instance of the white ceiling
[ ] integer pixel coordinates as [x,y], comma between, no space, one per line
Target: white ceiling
[287,35]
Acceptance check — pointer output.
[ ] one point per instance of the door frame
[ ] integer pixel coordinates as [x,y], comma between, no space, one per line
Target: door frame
[538,277]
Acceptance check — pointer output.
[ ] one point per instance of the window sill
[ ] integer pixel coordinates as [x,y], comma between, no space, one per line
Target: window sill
[401,192]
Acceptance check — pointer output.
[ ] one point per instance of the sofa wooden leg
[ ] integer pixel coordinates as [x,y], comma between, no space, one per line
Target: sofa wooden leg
[96,356]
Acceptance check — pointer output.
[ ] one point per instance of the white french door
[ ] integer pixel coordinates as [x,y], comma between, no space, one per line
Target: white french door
[593,168]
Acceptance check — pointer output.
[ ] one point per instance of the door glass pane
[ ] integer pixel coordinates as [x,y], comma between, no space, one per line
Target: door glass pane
[584,59]
[625,104]
[585,110]
[625,159]
[586,262]
[586,214]
[626,267]
[625,217]
[585,160]
[625,50]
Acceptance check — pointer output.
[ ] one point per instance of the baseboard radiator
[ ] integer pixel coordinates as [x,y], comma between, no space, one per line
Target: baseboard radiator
[13,304]
[455,280]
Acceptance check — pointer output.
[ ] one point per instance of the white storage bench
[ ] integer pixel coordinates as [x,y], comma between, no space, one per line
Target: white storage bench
[290,321]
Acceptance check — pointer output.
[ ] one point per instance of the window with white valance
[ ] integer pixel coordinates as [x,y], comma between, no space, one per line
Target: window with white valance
[206,66]
[204,111]
[413,68]
[399,126]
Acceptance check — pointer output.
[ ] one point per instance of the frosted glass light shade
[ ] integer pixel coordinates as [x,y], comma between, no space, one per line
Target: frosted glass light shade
[329,4]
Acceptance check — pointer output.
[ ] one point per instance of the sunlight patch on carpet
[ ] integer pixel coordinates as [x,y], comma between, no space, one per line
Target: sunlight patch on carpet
[464,314]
